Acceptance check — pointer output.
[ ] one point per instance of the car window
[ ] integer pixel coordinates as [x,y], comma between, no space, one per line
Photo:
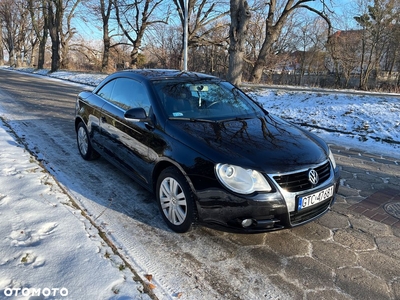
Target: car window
[129,93]
[106,91]
[211,100]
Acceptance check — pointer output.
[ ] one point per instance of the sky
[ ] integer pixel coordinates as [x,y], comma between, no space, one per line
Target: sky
[50,247]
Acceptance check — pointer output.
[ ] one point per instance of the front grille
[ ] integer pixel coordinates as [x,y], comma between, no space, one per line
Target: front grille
[297,182]
[299,217]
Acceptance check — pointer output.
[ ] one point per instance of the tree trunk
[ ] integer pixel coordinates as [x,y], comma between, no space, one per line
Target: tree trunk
[240,17]
[1,51]
[55,50]
[105,11]
[106,50]
[54,24]
[272,34]
[64,64]
[42,49]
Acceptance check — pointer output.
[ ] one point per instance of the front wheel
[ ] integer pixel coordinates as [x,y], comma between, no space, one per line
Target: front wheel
[175,200]
[84,145]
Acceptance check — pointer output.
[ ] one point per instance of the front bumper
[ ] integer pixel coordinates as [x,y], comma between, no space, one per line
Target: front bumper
[262,212]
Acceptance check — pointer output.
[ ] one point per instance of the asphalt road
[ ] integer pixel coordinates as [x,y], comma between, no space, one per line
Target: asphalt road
[347,254]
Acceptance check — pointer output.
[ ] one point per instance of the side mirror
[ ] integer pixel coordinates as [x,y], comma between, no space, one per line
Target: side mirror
[137,114]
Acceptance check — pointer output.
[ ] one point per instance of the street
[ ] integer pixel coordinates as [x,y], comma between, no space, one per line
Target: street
[350,253]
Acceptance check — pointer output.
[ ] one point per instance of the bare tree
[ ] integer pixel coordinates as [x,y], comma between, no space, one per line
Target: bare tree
[240,16]
[105,10]
[376,26]
[101,12]
[67,31]
[277,16]
[134,18]
[57,10]
[14,26]
[39,19]
[204,19]
[344,50]
[165,51]
[311,45]
[1,49]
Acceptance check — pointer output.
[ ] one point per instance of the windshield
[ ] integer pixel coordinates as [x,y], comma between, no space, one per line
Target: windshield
[204,100]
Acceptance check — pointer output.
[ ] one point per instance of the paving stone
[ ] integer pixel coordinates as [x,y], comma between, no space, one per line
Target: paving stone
[272,262]
[333,220]
[380,264]
[354,239]
[396,288]
[396,231]
[361,284]
[346,191]
[360,185]
[383,186]
[313,232]
[389,245]
[308,273]
[333,255]
[248,239]
[355,199]
[351,169]
[344,174]
[369,178]
[366,192]
[327,295]
[374,228]
[341,208]
[288,288]
[278,242]
[340,199]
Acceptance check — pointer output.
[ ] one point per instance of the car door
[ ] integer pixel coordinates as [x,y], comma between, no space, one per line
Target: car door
[97,101]
[127,142]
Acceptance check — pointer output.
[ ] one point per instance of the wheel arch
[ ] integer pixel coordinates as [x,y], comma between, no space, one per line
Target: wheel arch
[162,165]
[78,120]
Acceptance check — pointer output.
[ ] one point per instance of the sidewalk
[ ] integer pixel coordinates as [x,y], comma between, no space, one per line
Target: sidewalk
[48,249]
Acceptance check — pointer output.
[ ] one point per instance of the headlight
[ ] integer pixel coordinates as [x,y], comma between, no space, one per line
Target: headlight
[241,180]
[332,159]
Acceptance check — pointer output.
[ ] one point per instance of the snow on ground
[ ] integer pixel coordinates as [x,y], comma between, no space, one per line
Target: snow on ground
[369,122]
[48,249]
[51,251]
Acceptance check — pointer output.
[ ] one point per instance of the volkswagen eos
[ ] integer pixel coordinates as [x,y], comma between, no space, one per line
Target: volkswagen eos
[210,154]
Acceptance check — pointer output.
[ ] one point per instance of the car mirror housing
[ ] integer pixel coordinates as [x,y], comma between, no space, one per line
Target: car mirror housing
[137,114]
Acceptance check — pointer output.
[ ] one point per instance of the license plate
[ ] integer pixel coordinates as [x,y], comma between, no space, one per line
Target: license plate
[310,200]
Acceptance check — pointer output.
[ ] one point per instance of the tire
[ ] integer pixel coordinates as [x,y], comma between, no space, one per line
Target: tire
[175,200]
[84,144]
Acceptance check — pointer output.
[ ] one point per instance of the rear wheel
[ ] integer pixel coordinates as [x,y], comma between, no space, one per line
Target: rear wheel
[84,145]
[176,200]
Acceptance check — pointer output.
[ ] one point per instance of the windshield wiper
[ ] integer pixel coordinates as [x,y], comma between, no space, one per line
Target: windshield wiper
[192,119]
[235,119]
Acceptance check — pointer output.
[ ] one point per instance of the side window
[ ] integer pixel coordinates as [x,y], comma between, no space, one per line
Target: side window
[106,91]
[129,93]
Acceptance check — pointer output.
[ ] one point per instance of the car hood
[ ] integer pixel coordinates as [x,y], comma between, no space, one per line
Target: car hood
[265,143]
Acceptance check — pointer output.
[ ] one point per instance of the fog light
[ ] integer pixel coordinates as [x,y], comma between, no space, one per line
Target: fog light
[247,223]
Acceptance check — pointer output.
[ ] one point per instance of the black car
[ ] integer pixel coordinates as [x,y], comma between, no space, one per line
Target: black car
[211,155]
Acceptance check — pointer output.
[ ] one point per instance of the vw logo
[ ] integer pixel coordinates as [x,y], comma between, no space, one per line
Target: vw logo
[313,176]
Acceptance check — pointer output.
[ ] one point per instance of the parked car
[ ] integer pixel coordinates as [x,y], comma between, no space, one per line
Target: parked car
[211,155]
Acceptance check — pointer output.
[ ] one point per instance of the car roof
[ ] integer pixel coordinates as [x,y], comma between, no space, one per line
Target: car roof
[159,74]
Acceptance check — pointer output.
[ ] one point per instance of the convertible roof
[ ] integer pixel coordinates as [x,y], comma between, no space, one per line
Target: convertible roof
[157,74]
